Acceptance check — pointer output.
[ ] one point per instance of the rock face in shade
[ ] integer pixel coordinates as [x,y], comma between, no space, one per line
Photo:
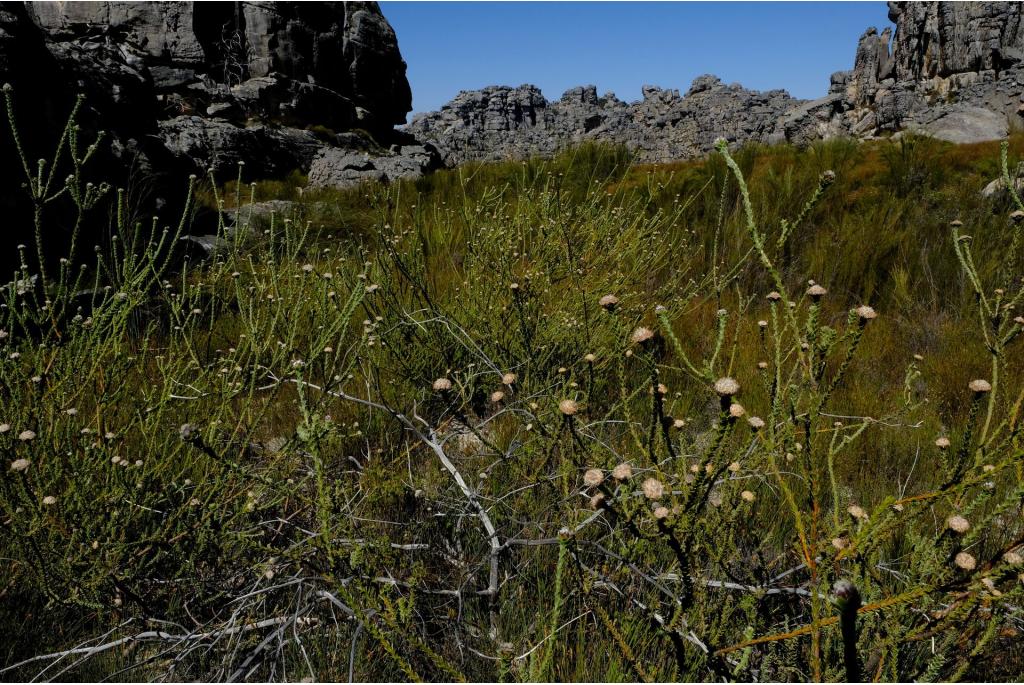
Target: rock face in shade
[345,49]
[182,87]
[948,69]
[189,85]
[43,101]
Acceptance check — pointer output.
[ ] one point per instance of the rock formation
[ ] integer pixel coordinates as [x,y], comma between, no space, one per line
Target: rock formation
[182,87]
[209,84]
[319,87]
[949,69]
[499,122]
[336,61]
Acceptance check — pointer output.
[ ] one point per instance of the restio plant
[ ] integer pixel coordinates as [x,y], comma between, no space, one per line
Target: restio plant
[568,419]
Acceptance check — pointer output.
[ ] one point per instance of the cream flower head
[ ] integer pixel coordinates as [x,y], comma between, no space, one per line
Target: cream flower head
[622,472]
[653,489]
[965,561]
[593,477]
[958,524]
[727,387]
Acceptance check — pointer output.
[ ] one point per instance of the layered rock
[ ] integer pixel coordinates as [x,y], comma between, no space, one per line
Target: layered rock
[500,122]
[198,54]
[944,39]
[191,85]
[948,69]
[182,87]
[333,167]
[952,70]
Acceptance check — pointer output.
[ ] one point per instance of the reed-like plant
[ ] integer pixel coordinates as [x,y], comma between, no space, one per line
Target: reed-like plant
[568,419]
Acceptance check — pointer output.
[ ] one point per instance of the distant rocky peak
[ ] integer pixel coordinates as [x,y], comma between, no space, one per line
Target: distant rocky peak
[659,94]
[703,83]
[499,122]
[950,69]
[585,95]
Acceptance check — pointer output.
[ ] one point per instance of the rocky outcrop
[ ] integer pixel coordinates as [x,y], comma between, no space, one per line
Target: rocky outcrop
[871,66]
[192,85]
[218,144]
[334,167]
[952,70]
[500,122]
[198,54]
[945,39]
[948,69]
[320,86]
[183,87]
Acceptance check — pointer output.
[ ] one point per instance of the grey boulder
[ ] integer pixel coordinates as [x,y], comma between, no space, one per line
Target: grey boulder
[336,168]
[967,124]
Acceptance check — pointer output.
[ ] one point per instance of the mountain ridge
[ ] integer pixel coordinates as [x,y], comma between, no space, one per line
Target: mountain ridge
[952,70]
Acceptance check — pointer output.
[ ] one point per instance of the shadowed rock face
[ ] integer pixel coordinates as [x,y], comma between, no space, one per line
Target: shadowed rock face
[21,42]
[348,48]
[181,87]
[184,86]
[189,49]
[952,70]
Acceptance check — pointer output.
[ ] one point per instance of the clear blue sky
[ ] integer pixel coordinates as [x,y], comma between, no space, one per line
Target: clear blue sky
[619,46]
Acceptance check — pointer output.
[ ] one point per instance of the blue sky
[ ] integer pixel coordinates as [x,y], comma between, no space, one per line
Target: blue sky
[619,46]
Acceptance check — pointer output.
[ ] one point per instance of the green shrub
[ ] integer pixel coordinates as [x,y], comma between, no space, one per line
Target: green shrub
[391,441]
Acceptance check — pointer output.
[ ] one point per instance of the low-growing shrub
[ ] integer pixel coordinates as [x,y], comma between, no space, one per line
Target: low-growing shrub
[558,420]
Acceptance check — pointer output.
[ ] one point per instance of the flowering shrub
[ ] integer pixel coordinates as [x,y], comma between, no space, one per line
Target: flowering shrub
[552,432]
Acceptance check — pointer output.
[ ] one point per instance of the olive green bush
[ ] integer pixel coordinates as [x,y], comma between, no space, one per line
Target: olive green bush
[559,420]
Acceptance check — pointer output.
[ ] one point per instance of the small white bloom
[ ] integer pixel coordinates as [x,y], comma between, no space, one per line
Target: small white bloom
[958,524]
[965,561]
[653,488]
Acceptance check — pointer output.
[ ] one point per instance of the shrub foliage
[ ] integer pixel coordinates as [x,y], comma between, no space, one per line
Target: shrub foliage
[572,419]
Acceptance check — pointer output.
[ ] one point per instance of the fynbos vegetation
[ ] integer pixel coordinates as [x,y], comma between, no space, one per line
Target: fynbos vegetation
[751,418]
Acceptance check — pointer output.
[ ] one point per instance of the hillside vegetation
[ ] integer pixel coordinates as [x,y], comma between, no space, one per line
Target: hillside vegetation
[754,417]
